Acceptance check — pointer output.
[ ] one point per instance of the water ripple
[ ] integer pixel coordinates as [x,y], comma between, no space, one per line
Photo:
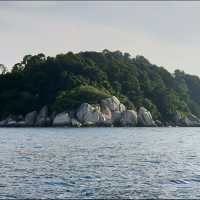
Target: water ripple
[99,163]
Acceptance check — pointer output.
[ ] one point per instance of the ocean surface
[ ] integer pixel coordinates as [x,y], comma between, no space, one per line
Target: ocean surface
[99,163]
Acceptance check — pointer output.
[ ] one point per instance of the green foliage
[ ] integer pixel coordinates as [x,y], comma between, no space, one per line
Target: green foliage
[67,100]
[147,103]
[67,80]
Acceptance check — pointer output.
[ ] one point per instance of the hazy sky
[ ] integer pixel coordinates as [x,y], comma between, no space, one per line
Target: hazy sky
[166,33]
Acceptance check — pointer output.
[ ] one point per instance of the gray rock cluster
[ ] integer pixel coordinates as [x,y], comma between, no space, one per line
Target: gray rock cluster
[89,115]
[109,112]
[186,120]
[30,119]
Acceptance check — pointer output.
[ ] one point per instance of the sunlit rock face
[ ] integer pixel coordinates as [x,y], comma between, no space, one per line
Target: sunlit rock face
[62,119]
[129,118]
[145,118]
[88,114]
[113,104]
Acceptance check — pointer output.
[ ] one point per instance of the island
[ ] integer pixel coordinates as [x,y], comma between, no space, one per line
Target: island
[96,89]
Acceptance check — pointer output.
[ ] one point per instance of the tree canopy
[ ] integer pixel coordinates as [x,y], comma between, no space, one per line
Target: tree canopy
[65,81]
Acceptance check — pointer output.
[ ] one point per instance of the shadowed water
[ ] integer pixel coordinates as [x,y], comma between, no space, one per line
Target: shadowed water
[99,163]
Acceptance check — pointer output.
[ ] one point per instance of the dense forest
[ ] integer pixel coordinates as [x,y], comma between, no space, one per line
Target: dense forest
[67,80]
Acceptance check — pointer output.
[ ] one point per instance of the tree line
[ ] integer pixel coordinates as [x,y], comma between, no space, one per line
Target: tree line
[65,81]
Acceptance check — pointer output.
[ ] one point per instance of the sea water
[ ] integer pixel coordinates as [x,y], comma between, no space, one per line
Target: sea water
[99,163]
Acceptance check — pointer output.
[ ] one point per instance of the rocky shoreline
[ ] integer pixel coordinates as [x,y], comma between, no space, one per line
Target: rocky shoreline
[110,112]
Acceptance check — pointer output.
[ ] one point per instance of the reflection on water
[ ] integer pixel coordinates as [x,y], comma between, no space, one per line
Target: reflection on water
[99,163]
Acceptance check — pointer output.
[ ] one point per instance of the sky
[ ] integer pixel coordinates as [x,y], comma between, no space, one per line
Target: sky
[167,33]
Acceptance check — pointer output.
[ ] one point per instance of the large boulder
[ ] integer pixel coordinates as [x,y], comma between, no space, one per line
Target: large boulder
[42,118]
[30,118]
[129,118]
[62,119]
[122,107]
[116,118]
[145,118]
[113,104]
[89,115]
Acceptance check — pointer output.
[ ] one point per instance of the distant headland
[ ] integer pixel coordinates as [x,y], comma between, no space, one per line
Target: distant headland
[96,89]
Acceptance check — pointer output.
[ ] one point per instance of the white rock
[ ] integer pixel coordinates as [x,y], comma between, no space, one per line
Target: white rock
[145,118]
[122,107]
[89,115]
[129,118]
[62,119]
[106,113]
[112,103]
[96,107]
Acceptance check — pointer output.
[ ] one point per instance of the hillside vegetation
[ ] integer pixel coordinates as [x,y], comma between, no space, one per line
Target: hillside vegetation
[67,80]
